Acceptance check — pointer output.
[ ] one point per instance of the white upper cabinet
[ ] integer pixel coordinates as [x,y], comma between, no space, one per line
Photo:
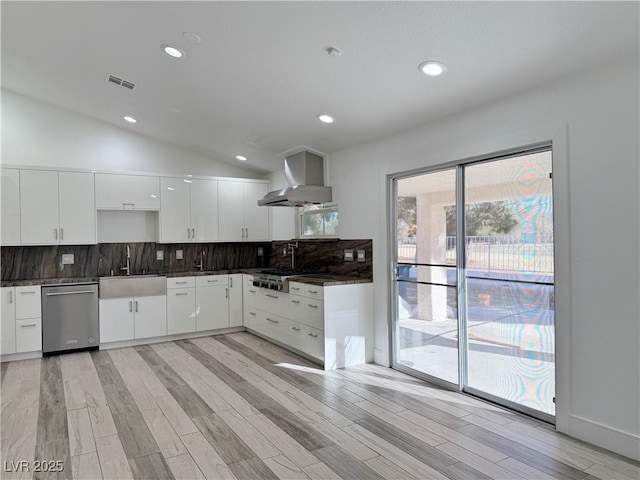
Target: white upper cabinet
[175,221]
[127,192]
[77,208]
[10,214]
[39,207]
[56,208]
[188,210]
[241,219]
[204,210]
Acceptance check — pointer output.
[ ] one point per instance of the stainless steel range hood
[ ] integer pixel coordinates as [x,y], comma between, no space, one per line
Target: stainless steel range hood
[305,172]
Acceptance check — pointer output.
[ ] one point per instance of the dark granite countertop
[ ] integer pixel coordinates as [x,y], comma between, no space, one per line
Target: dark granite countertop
[48,281]
[327,280]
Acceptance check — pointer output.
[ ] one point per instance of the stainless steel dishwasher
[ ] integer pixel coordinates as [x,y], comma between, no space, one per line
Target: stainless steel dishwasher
[70,317]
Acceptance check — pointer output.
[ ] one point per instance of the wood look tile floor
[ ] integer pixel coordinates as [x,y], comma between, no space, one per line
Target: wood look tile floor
[236,406]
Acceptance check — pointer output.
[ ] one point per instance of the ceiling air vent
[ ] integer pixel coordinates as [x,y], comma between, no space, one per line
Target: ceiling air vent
[112,79]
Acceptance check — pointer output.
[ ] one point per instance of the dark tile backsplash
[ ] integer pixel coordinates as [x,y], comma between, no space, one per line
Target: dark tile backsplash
[323,256]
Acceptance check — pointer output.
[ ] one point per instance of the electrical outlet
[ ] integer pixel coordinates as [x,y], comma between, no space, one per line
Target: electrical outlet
[178,254]
[160,255]
[260,252]
[68,259]
[361,255]
[348,255]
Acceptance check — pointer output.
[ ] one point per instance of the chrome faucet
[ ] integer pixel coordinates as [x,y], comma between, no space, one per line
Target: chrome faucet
[200,265]
[292,250]
[128,267]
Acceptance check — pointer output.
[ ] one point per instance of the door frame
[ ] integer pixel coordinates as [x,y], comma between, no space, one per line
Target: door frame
[557,144]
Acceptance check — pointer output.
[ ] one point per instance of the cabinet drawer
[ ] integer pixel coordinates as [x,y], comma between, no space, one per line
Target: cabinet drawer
[181,282]
[251,297]
[212,280]
[251,318]
[296,288]
[28,335]
[307,311]
[313,342]
[248,280]
[28,302]
[275,327]
[273,302]
[296,336]
[181,310]
[314,291]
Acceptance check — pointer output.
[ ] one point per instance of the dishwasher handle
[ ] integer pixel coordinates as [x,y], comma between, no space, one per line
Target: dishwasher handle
[78,292]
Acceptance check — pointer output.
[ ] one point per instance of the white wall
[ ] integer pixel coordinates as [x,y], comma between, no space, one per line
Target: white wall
[597,117]
[40,134]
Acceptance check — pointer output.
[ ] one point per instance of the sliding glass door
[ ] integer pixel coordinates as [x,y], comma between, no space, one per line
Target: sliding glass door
[473,288]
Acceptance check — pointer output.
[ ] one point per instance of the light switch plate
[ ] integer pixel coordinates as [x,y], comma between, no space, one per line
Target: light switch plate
[159,255]
[68,258]
[348,255]
[361,255]
[178,254]
[260,251]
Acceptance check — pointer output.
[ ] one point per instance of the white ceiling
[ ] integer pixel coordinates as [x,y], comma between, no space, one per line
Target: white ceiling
[261,74]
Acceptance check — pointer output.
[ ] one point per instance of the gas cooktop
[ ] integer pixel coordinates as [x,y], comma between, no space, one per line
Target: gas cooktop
[276,278]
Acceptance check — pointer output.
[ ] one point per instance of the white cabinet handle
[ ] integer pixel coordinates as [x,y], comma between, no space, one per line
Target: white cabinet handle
[188,232]
[180,294]
[312,306]
[181,283]
[314,335]
[55,233]
[252,291]
[272,321]
[297,329]
[295,301]
[252,313]
[130,306]
[312,291]
[10,296]
[212,281]
[226,293]
[271,296]
[30,325]
[193,233]
[242,232]
[295,288]
[61,233]
[230,282]
[136,305]
[124,205]
[246,232]
[28,293]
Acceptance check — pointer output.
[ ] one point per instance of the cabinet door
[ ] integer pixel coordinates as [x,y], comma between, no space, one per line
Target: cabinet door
[212,308]
[181,310]
[39,207]
[235,299]
[116,319]
[230,211]
[28,302]
[28,335]
[10,215]
[150,316]
[7,320]
[204,210]
[256,219]
[127,192]
[77,208]
[175,211]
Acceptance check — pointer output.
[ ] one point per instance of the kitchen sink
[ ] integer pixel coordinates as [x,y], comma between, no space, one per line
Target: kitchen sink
[132,286]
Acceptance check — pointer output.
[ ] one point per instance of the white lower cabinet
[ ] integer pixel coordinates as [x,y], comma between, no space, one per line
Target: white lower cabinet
[212,302]
[236,290]
[28,317]
[133,317]
[8,321]
[28,335]
[181,310]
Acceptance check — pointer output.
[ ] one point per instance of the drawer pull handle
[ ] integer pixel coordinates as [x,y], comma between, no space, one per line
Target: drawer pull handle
[77,292]
[136,305]
[272,321]
[180,294]
[10,296]
[295,301]
[30,325]
[181,283]
[130,307]
[252,291]
[27,293]
[252,313]
[271,296]
[226,293]
[312,291]
[212,281]
[297,329]
[312,306]
[314,335]
[295,288]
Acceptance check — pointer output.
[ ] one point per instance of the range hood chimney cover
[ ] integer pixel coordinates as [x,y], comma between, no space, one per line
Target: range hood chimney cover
[305,173]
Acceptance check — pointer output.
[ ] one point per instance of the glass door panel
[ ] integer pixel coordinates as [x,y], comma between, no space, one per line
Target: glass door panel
[426,326]
[509,280]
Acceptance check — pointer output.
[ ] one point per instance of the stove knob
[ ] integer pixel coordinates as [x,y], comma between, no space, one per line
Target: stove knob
[256,283]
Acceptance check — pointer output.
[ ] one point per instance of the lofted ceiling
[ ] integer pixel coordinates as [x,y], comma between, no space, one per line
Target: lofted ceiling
[261,73]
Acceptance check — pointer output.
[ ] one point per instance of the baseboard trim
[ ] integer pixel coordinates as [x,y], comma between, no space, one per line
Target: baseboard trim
[169,338]
[12,357]
[380,358]
[613,439]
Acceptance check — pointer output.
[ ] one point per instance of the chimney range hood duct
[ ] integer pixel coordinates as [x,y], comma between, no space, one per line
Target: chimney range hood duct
[305,172]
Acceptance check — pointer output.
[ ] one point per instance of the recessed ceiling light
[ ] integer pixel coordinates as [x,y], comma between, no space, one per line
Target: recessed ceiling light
[170,188]
[187,181]
[242,158]
[173,51]
[324,118]
[130,119]
[432,68]
[192,37]
[154,196]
